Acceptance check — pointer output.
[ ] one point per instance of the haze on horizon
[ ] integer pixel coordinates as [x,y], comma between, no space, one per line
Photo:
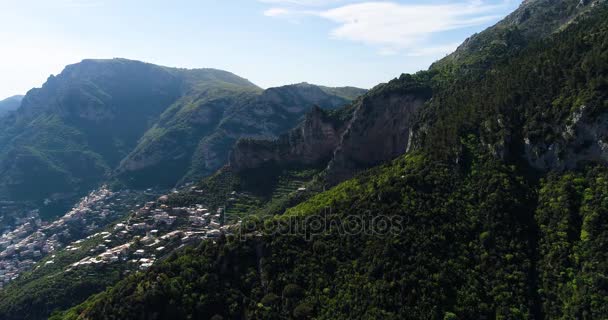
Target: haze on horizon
[269,42]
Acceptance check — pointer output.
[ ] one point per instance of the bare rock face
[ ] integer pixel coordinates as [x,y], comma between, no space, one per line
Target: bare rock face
[374,129]
[194,137]
[313,141]
[584,139]
[379,131]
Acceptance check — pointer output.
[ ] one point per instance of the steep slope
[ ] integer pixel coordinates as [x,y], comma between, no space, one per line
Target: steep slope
[414,239]
[312,142]
[387,121]
[124,119]
[406,271]
[70,133]
[532,21]
[372,130]
[194,136]
[10,104]
[524,108]
[459,228]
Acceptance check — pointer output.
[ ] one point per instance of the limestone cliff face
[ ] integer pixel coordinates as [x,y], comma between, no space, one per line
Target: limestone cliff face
[374,129]
[584,139]
[312,142]
[195,135]
[379,131]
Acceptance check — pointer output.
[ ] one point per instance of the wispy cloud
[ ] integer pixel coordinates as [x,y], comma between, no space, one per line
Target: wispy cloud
[310,3]
[275,12]
[79,3]
[394,27]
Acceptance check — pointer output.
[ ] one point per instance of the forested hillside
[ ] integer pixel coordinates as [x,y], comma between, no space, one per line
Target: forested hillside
[497,211]
[195,135]
[139,125]
[68,135]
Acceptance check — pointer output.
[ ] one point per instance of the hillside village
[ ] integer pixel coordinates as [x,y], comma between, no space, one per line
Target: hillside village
[34,239]
[152,231]
[138,234]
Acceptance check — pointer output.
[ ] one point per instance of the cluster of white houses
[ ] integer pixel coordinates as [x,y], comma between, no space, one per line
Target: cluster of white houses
[153,230]
[149,232]
[34,239]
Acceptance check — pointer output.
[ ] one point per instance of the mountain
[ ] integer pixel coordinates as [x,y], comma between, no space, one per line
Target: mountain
[71,132]
[193,138]
[532,21]
[121,120]
[374,129]
[10,104]
[497,210]
[386,122]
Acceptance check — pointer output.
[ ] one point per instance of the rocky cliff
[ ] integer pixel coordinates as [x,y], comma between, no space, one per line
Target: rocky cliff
[372,130]
[311,143]
[583,140]
[194,137]
[379,131]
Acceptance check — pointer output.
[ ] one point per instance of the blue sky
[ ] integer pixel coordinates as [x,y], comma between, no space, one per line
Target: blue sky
[269,42]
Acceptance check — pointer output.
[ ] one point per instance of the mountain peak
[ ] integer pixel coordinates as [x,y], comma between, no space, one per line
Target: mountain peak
[531,21]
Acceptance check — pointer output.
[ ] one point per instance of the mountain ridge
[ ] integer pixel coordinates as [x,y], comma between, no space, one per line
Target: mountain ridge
[477,230]
[485,233]
[84,125]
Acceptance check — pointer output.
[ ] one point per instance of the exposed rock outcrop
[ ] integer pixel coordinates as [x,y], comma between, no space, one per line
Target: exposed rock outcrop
[312,142]
[194,137]
[374,129]
[584,139]
[379,131]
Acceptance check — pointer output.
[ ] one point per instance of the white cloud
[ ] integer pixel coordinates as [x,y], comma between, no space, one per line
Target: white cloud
[310,3]
[79,3]
[275,12]
[396,27]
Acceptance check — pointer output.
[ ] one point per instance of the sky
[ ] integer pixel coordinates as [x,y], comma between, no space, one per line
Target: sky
[270,42]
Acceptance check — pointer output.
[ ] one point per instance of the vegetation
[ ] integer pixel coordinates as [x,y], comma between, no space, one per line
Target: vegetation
[263,191]
[462,227]
[461,247]
[52,287]
[140,125]
[475,233]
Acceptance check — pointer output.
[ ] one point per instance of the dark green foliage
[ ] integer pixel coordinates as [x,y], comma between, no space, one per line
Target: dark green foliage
[475,234]
[530,92]
[141,125]
[194,136]
[267,190]
[436,264]
[51,287]
[572,215]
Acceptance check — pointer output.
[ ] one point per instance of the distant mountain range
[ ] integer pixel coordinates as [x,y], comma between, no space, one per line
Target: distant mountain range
[140,125]
[10,104]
